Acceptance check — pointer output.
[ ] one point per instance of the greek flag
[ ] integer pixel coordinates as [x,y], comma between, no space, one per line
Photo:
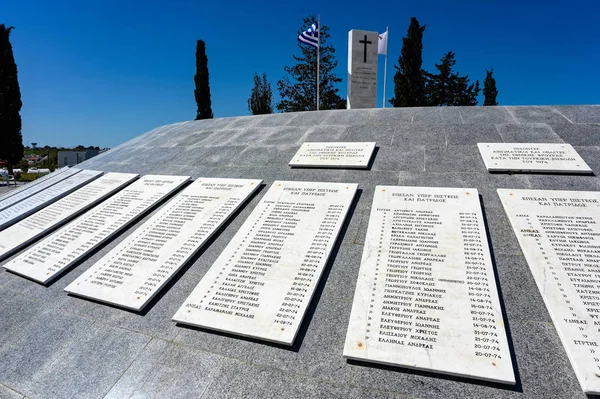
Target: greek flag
[311,36]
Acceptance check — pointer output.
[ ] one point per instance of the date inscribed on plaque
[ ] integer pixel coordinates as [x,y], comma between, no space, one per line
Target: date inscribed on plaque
[559,233]
[426,295]
[264,280]
[332,154]
[528,157]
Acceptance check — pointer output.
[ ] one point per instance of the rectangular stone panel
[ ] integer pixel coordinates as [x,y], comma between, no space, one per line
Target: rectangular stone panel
[27,186]
[264,280]
[338,155]
[362,69]
[54,254]
[559,234]
[140,266]
[426,296]
[28,191]
[44,221]
[46,197]
[537,157]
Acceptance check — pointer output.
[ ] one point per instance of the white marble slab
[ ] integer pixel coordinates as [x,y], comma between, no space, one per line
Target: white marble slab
[362,69]
[44,221]
[133,272]
[28,191]
[264,280]
[31,204]
[528,157]
[27,186]
[426,295]
[51,256]
[339,155]
[559,233]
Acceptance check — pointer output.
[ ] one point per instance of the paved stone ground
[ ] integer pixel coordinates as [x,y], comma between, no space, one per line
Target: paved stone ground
[56,346]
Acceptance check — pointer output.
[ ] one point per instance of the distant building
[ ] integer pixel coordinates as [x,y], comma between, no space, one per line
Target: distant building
[70,158]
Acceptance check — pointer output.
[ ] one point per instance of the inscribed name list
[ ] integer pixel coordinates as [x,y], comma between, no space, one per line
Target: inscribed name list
[32,190]
[538,157]
[139,267]
[48,196]
[34,183]
[559,234]
[42,222]
[51,256]
[264,280]
[353,155]
[362,69]
[426,295]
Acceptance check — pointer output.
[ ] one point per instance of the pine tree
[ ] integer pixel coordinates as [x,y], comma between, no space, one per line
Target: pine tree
[409,80]
[261,98]
[489,88]
[298,89]
[202,89]
[448,87]
[11,141]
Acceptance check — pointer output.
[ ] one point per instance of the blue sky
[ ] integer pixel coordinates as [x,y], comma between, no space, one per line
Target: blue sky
[101,73]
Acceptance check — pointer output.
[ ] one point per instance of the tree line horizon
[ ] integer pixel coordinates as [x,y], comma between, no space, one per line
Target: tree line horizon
[413,86]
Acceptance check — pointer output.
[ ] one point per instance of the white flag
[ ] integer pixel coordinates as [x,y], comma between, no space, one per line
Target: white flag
[382,43]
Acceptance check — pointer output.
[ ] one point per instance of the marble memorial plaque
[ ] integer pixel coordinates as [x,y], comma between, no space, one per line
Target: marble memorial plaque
[139,267]
[528,157]
[28,191]
[559,234]
[350,155]
[426,295]
[37,201]
[362,69]
[44,221]
[34,183]
[49,257]
[264,280]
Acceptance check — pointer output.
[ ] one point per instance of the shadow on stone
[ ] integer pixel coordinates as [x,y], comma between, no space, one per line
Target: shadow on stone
[518,387]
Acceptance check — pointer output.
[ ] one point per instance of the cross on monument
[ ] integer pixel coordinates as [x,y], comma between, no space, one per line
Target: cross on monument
[365,43]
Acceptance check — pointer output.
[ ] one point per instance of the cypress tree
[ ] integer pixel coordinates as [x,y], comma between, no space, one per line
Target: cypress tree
[409,80]
[11,141]
[300,92]
[202,89]
[449,88]
[261,97]
[489,88]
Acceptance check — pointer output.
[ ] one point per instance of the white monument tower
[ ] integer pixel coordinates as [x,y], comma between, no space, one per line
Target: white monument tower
[362,69]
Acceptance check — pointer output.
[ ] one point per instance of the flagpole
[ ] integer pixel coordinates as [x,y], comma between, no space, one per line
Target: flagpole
[387,37]
[318,56]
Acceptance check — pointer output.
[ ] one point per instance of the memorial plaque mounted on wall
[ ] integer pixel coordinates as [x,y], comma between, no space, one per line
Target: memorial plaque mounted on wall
[32,190]
[262,283]
[426,295]
[334,155]
[559,234]
[527,157]
[140,266]
[42,222]
[51,256]
[46,197]
[39,180]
